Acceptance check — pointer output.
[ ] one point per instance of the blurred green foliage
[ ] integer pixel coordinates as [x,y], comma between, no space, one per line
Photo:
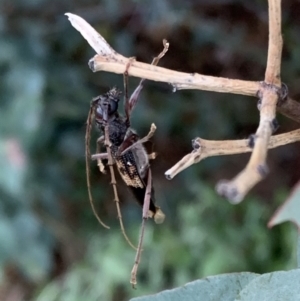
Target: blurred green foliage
[51,247]
[209,238]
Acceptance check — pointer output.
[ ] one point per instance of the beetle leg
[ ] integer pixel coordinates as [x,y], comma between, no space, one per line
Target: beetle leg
[131,103]
[100,156]
[145,217]
[152,156]
[125,146]
[114,184]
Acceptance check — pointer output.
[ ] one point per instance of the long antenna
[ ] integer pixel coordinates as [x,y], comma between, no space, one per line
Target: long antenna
[87,163]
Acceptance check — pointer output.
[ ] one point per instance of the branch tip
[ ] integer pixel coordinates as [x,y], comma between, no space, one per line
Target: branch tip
[228,190]
[168,176]
[91,65]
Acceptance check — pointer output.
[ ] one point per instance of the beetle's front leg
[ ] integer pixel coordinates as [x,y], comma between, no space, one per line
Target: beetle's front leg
[131,103]
[100,156]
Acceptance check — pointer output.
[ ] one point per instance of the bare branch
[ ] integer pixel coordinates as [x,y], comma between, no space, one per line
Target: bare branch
[290,108]
[111,61]
[208,148]
[96,41]
[179,80]
[256,169]
[272,75]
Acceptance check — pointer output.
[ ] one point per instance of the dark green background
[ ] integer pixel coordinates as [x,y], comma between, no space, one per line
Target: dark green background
[51,246]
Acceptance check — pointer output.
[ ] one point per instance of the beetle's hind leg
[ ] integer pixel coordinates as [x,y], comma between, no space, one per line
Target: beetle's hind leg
[146,206]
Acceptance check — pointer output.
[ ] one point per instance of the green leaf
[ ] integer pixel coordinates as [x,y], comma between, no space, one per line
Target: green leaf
[289,211]
[223,287]
[298,251]
[275,286]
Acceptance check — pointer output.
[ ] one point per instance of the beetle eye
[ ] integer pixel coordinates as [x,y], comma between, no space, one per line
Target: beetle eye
[112,107]
[105,106]
[99,111]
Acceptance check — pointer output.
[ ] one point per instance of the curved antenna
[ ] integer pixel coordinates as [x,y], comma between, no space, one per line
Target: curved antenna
[87,163]
[114,184]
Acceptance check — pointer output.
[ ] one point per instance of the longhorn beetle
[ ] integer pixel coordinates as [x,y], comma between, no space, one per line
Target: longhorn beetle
[126,150]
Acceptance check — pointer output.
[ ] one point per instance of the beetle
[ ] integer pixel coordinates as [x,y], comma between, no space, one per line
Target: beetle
[124,148]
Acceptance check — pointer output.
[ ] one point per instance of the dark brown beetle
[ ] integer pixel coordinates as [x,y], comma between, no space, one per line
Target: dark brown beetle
[124,148]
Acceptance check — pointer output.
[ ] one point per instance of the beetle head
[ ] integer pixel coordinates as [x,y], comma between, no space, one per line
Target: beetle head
[106,106]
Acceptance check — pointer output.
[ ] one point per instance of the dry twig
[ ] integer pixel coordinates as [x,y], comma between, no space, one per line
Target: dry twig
[107,59]
[207,148]
[256,169]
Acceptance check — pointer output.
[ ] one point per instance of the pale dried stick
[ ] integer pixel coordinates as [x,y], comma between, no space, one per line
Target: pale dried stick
[208,148]
[179,80]
[111,61]
[256,169]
